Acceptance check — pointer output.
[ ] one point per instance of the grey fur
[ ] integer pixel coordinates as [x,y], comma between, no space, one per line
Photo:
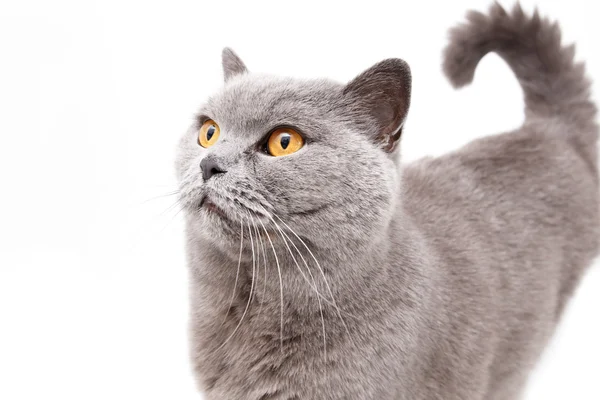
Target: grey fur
[447,276]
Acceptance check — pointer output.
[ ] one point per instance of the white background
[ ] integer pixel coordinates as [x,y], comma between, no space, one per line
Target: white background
[93,98]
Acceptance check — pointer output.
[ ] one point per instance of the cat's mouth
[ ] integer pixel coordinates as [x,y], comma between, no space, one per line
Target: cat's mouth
[207,204]
[219,215]
[231,213]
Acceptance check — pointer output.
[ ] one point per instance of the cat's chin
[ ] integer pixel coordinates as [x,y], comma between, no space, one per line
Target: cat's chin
[209,207]
[214,231]
[216,221]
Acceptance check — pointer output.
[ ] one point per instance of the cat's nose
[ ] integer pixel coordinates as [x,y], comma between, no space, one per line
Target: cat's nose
[209,167]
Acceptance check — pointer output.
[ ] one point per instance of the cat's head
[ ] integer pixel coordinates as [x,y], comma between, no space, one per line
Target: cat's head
[314,156]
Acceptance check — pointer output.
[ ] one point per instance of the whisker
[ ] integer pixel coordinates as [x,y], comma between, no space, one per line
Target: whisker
[313,285]
[251,295]
[237,275]
[264,254]
[173,193]
[280,284]
[171,207]
[152,227]
[322,274]
[247,303]
[262,243]
[284,236]
[170,221]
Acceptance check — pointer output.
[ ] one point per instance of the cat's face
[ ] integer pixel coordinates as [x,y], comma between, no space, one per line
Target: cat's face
[338,187]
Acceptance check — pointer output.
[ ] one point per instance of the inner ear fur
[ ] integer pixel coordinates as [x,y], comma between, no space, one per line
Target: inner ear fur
[383,91]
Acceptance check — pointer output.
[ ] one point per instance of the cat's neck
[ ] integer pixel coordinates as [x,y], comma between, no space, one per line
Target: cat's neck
[302,276]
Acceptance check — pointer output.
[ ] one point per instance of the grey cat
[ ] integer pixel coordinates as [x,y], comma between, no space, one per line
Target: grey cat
[322,268]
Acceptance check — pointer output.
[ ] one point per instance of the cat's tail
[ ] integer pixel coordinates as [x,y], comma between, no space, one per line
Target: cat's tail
[553,84]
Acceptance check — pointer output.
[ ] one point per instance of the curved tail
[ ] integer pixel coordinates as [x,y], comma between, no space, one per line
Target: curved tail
[553,84]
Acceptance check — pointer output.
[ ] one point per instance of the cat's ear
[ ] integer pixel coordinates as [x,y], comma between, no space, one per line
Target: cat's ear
[383,92]
[232,64]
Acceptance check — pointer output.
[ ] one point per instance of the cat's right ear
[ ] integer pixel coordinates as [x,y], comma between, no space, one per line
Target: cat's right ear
[382,95]
[232,64]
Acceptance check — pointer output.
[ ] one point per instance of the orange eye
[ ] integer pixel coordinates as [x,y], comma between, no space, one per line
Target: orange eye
[209,133]
[284,141]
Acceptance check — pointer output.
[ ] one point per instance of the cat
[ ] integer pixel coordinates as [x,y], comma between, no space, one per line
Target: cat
[322,267]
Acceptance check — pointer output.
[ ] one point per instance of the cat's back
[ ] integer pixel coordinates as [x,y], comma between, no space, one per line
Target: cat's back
[512,220]
[531,195]
[528,180]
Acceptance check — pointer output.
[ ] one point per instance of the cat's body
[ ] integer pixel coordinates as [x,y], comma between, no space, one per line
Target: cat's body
[446,277]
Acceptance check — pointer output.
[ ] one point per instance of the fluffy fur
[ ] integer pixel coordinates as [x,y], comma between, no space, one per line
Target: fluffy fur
[338,273]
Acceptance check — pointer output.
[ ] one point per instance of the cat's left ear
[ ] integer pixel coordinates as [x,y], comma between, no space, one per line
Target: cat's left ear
[232,64]
[383,92]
